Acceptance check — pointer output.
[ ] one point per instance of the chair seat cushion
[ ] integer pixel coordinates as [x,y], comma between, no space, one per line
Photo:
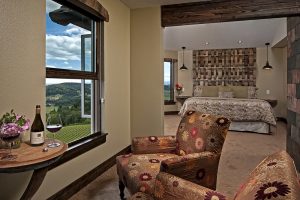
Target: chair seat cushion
[138,171]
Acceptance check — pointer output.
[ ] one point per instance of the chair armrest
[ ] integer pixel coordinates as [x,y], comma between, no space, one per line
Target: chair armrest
[153,144]
[168,186]
[200,168]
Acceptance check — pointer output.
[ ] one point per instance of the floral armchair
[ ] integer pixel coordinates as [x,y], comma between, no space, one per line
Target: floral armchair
[193,154]
[274,178]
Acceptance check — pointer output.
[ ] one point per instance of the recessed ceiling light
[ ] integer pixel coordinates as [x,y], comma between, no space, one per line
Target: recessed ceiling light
[240,42]
[206,43]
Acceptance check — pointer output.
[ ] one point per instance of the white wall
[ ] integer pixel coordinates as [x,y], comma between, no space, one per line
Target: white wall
[146,81]
[22,76]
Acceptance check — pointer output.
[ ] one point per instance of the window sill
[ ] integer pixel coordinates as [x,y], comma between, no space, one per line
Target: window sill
[80,147]
[170,102]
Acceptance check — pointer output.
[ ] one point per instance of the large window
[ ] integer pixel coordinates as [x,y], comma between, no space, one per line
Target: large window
[169,80]
[72,71]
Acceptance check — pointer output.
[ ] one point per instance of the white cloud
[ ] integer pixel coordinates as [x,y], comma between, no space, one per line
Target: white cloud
[66,62]
[75,30]
[51,66]
[60,47]
[51,5]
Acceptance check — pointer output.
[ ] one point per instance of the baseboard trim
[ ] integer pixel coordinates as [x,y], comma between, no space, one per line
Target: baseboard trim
[171,112]
[84,180]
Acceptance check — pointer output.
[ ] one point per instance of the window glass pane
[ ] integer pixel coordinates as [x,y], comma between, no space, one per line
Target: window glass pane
[64,97]
[167,81]
[69,37]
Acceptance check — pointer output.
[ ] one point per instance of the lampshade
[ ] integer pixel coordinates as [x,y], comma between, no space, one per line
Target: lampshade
[267,66]
[183,67]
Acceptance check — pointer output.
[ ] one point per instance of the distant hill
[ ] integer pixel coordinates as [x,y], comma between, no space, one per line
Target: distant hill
[65,94]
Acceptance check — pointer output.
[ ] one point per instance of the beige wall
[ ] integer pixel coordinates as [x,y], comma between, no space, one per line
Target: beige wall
[273,80]
[186,77]
[146,73]
[173,55]
[22,73]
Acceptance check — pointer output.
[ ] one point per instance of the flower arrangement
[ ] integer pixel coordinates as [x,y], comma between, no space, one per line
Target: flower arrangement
[12,124]
[179,88]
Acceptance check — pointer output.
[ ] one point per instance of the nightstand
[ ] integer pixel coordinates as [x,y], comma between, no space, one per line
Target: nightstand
[272,102]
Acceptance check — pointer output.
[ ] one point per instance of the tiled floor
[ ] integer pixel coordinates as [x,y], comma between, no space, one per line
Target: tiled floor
[241,153]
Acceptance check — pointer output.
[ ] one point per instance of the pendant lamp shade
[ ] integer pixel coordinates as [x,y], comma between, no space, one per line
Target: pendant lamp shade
[183,67]
[267,66]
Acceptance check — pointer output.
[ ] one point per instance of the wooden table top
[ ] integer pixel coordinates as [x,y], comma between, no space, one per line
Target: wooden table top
[30,158]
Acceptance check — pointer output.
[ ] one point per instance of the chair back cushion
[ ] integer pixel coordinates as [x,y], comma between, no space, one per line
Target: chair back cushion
[274,178]
[198,132]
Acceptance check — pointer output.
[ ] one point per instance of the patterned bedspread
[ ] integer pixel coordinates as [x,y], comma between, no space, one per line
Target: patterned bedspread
[252,110]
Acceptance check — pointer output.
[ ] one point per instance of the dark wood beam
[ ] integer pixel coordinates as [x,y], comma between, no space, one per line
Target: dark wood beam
[90,7]
[227,10]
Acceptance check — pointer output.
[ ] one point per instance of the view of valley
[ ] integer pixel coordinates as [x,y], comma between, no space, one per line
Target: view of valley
[64,99]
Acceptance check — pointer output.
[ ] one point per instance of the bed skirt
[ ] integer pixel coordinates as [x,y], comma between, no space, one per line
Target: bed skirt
[257,127]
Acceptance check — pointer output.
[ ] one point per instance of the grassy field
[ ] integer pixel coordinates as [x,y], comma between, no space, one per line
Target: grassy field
[71,133]
[167,94]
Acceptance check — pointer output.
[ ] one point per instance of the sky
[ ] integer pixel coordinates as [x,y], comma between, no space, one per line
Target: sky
[167,75]
[63,44]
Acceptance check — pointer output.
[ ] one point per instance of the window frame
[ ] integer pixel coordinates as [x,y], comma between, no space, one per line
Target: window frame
[172,79]
[85,144]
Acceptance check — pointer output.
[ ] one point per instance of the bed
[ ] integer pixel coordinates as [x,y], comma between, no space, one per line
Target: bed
[251,115]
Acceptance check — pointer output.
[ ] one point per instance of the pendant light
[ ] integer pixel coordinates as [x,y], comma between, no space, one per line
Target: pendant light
[183,67]
[267,66]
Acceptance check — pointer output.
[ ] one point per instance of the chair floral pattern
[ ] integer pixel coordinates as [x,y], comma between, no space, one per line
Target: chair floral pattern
[192,155]
[274,178]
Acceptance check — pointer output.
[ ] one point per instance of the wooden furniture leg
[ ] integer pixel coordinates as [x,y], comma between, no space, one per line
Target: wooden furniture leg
[121,188]
[34,183]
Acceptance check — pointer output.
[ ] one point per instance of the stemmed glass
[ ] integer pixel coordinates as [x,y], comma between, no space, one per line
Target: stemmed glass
[54,124]
[9,139]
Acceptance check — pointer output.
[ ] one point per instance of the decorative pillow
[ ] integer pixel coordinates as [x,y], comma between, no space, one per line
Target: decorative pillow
[274,178]
[240,91]
[210,91]
[197,91]
[252,94]
[226,94]
[201,132]
[224,89]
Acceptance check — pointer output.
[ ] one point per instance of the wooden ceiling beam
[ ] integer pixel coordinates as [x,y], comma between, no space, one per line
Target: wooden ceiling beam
[227,10]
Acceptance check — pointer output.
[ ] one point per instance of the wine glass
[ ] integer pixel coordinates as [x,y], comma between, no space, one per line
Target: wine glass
[54,124]
[9,139]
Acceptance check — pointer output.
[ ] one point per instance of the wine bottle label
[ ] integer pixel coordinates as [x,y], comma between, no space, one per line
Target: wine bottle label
[37,137]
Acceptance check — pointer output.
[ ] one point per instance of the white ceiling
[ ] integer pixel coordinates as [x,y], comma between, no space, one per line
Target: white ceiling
[150,3]
[253,33]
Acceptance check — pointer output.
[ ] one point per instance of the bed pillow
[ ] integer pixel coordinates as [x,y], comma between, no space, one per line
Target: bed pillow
[225,94]
[197,91]
[252,94]
[240,91]
[210,91]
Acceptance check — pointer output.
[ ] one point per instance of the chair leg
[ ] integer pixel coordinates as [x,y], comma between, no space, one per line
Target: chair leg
[121,188]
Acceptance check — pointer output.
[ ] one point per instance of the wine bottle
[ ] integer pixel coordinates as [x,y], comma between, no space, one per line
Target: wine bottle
[37,129]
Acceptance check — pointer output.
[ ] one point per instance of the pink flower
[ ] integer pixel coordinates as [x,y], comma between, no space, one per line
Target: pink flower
[18,117]
[11,129]
[26,125]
